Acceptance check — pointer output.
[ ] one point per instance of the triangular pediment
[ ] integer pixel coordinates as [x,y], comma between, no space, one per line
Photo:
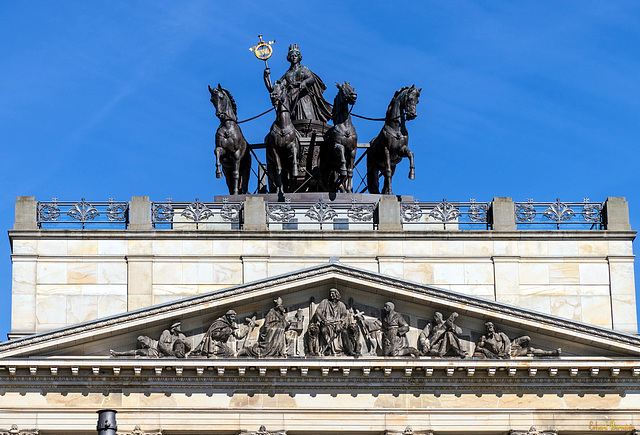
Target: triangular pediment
[364,291]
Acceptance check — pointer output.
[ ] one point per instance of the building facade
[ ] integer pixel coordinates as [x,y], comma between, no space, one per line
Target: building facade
[448,318]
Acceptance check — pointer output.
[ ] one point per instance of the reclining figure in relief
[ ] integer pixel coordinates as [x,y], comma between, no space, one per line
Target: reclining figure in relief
[497,345]
[171,344]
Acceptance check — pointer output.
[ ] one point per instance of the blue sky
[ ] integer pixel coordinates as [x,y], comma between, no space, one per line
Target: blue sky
[531,99]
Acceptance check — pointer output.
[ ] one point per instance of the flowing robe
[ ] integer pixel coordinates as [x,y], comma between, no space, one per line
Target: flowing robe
[332,319]
[394,338]
[271,341]
[307,102]
[214,342]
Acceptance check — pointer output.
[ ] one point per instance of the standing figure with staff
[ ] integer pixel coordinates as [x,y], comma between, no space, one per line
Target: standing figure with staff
[304,89]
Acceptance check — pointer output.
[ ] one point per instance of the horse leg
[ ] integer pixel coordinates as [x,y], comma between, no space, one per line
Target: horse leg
[349,181]
[236,173]
[412,168]
[343,162]
[245,171]
[280,189]
[388,173]
[294,154]
[217,152]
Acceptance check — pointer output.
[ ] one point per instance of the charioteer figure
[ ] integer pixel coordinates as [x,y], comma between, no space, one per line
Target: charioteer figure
[304,90]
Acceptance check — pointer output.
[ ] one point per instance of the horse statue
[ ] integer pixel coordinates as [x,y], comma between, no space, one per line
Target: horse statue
[282,144]
[388,148]
[341,142]
[232,150]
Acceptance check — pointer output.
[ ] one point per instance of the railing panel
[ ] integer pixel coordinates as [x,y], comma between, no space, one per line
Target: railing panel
[320,215]
[433,216]
[171,215]
[556,215]
[56,214]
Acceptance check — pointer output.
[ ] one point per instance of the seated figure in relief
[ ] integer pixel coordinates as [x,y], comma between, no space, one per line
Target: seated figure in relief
[394,333]
[441,337]
[331,318]
[214,342]
[493,344]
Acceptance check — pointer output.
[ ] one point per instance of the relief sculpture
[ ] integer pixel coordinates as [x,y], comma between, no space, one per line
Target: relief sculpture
[271,341]
[335,329]
[214,342]
[496,344]
[171,344]
[394,333]
[442,337]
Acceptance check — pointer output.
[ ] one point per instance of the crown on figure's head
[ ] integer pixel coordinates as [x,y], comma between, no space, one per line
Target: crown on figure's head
[294,47]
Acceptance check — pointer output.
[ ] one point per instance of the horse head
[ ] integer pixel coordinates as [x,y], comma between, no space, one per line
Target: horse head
[223,102]
[411,96]
[278,96]
[348,93]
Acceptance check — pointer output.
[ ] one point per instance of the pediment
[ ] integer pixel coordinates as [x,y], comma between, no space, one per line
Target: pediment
[364,291]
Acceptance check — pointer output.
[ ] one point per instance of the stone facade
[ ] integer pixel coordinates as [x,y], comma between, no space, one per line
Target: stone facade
[84,292]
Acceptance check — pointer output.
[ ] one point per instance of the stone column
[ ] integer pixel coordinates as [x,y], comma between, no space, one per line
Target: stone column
[616,213]
[140,213]
[504,214]
[389,214]
[255,214]
[26,213]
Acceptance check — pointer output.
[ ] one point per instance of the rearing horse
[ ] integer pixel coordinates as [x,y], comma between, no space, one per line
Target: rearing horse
[282,144]
[391,145]
[231,146]
[341,142]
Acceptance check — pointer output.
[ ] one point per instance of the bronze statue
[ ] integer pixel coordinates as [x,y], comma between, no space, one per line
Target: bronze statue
[442,337]
[394,333]
[271,341]
[341,142]
[282,144]
[493,344]
[232,150]
[214,342]
[391,145]
[303,89]
[331,316]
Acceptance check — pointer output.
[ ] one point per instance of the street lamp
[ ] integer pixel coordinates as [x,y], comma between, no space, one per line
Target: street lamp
[107,422]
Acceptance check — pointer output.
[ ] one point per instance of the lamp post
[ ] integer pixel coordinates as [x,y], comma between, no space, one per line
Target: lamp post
[107,422]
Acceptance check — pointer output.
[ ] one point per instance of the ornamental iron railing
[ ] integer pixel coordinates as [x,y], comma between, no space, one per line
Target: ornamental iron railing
[172,215]
[445,215]
[82,214]
[321,215]
[558,214]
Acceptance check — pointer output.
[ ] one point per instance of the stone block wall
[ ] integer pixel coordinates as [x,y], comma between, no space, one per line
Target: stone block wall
[65,277]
